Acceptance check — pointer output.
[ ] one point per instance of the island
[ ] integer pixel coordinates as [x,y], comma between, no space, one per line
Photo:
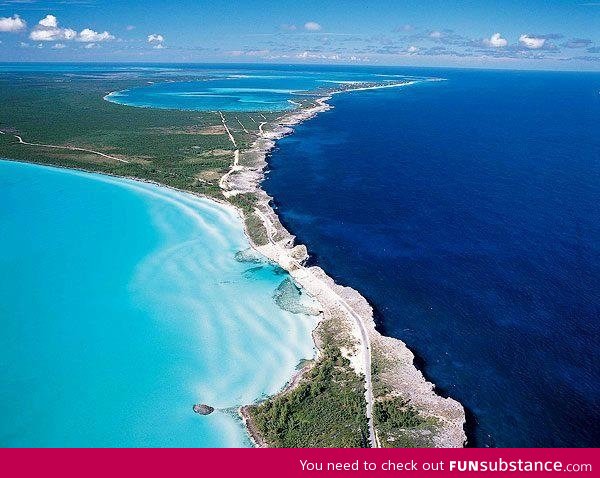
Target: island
[202,409]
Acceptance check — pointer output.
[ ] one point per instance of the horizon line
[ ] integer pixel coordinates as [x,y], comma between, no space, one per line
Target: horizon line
[354,65]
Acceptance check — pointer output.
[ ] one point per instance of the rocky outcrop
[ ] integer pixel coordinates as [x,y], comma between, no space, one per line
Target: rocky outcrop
[203,409]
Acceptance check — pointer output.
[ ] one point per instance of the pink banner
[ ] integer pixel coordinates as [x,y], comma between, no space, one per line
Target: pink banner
[288,463]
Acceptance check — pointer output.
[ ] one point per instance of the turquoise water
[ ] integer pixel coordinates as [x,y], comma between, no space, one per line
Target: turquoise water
[121,305]
[201,95]
[250,90]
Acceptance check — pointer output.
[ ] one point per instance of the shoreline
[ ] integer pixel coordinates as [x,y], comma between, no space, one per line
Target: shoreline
[336,300]
[245,177]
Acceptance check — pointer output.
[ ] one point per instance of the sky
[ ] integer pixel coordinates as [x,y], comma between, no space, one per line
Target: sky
[527,34]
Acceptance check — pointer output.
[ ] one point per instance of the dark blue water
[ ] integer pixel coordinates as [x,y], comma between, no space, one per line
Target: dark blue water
[468,213]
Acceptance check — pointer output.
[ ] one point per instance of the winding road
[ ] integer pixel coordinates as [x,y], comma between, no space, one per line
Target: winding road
[236,156]
[365,343]
[72,148]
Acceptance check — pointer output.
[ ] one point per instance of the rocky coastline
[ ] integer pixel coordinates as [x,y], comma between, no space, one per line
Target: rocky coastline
[396,371]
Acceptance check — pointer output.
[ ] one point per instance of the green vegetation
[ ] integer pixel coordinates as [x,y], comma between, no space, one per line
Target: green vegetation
[254,226]
[400,425]
[380,388]
[184,149]
[397,422]
[327,409]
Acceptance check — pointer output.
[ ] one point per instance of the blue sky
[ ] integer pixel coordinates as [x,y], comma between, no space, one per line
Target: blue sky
[548,34]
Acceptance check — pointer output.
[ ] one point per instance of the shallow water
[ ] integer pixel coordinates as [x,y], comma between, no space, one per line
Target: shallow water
[122,304]
[246,90]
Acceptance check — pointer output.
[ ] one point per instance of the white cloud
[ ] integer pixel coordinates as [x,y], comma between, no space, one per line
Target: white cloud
[156,38]
[435,34]
[307,55]
[49,21]
[12,24]
[48,29]
[310,56]
[286,27]
[312,26]
[59,46]
[496,41]
[87,35]
[412,49]
[89,45]
[531,42]
[251,53]
[260,53]
[130,27]
[52,34]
